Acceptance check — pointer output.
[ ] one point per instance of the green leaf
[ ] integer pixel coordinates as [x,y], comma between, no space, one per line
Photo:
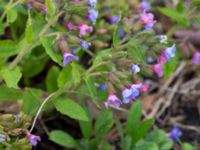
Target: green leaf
[146,146]
[7,48]
[160,138]
[71,109]
[51,7]
[116,37]
[169,67]
[11,76]
[11,15]
[92,89]
[48,45]
[187,146]
[51,79]
[180,18]
[63,139]
[104,122]
[7,93]
[86,126]
[31,101]
[29,29]
[33,65]
[126,143]
[134,118]
[1,28]
[142,130]
[65,76]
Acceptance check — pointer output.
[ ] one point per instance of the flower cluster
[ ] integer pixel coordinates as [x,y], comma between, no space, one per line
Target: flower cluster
[83,29]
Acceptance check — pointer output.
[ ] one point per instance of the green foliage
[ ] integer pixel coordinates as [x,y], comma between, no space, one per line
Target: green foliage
[29,29]
[63,139]
[178,15]
[187,146]
[11,76]
[104,122]
[48,46]
[134,118]
[7,93]
[70,108]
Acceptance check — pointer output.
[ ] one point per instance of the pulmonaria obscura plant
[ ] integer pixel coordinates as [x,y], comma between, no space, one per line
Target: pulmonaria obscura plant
[90,51]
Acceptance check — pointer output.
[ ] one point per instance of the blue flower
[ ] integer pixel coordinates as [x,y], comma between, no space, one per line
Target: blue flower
[169,52]
[145,5]
[113,19]
[121,33]
[92,15]
[2,138]
[68,57]
[85,45]
[92,3]
[128,94]
[174,134]
[135,68]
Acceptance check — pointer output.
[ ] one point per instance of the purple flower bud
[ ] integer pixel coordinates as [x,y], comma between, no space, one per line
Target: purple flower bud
[169,52]
[107,9]
[121,33]
[33,139]
[135,68]
[196,58]
[28,5]
[2,138]
[174,134]
[145,5]
[113,19]
[92,15]
[44,10]
[112,100]
[85,45]
[68,57]
[92,3]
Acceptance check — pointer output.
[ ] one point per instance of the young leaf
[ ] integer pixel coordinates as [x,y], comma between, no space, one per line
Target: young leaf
[134,117]
[63,139]
[11,76]
[104,122]
[51,79]
[47,43]
[29,30]
[70,108]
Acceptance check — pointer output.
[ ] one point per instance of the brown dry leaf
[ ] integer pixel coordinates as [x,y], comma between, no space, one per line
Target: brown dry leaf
[148,101]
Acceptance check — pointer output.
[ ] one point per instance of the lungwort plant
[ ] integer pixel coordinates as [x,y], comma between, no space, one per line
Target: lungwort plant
[56,54]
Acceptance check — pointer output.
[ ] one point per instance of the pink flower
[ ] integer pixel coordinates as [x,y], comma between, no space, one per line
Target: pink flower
[71,26]
[158,68]
[33,139]
[147,19]
[84,29]
[112,100]
[143,87]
